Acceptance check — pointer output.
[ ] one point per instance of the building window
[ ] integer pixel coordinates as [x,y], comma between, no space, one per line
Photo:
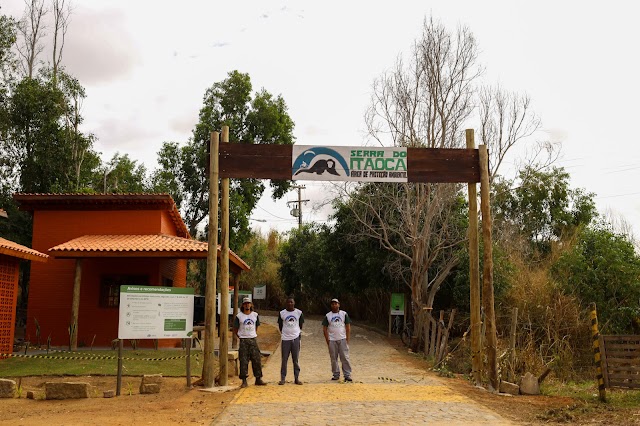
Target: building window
[110,287]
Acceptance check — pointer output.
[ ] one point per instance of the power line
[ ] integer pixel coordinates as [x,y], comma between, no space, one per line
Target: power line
[278,217]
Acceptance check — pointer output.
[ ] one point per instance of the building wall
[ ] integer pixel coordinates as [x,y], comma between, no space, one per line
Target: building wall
[101,322]
[175,270]
[9,267]
[51,284]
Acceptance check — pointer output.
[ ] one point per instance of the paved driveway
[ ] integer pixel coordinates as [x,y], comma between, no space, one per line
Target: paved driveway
[385,391]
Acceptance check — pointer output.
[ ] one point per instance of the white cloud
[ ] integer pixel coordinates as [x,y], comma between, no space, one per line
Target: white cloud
[99,47]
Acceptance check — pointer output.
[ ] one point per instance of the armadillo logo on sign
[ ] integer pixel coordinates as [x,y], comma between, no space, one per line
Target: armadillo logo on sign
[349,164]
[319,163]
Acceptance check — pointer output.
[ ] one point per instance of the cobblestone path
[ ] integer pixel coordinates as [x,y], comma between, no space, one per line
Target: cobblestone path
[385,390]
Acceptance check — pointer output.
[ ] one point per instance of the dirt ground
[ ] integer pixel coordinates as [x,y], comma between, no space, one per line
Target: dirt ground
[539,409]
[176,404]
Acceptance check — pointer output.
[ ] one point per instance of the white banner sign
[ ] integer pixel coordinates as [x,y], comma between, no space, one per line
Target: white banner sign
[150,312]
[260,292]
[349,163]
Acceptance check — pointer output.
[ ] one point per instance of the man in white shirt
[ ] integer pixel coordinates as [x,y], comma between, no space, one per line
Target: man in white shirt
[245,326]
[290,323]
[337,331]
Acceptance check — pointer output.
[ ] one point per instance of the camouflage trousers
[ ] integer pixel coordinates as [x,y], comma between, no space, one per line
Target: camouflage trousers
[249,351]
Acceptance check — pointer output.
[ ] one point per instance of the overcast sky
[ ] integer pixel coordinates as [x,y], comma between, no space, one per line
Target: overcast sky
[146,66]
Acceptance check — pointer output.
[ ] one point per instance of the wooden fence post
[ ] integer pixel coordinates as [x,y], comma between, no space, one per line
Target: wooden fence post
[595,335]
[512,344]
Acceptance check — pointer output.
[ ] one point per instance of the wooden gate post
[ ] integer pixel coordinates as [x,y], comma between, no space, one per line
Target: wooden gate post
[474,275]
[208,374]
[224,274]
[487,271]
[595,335]
[235,344]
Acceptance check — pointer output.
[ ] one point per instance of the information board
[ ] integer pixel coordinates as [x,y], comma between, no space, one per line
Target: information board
[154,312]
[397,303]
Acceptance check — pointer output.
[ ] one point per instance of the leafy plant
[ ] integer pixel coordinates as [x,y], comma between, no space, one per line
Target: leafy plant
[603,267]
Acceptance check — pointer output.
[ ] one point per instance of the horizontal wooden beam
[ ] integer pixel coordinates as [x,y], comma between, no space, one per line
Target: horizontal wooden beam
[239,160]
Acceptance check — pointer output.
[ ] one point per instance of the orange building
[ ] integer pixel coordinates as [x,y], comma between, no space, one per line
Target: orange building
[10,255]
[99,242]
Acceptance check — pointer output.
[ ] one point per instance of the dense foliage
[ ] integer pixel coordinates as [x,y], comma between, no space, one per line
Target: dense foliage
[260,119]
[603,267]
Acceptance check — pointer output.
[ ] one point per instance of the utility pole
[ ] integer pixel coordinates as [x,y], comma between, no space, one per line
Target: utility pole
[297,210]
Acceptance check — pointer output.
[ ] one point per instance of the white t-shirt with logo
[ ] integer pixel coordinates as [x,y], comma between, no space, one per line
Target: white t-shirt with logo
[290,323]
[247,325]
[335,323]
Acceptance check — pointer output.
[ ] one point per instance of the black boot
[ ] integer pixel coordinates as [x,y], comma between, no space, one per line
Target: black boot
[259,382]
[244,383]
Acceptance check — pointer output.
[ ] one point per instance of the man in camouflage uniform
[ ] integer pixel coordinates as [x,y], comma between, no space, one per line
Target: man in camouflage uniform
[245,326]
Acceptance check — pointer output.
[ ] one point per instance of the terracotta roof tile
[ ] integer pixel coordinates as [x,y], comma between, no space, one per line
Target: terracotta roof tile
[80,201]
[13,249]
[158,245]
[130,243]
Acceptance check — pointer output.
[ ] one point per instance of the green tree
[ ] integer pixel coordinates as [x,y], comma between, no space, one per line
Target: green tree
[121,175]
[603,267]
[305,260]
[455,290]
[263,256]
[35,143]
[261,119]
[542,206]
[7,69]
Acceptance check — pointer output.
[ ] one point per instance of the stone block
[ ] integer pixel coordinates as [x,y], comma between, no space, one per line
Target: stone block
[149,388]
[31,395]
[529,385]
[66,390]
[510,388]
[8,388]
[232,357]
[151,379]
[109,394]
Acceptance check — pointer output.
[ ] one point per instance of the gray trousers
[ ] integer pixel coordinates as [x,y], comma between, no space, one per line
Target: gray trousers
[290,347]
[339,348]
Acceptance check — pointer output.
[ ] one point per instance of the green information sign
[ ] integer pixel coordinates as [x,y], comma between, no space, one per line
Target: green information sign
[175,324]
[155,312]
[397,303]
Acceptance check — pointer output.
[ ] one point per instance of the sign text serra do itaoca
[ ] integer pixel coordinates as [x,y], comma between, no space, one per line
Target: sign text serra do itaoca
[349,163]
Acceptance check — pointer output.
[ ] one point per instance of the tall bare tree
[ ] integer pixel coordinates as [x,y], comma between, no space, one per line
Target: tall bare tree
[31,29]
[421,103]
[506,118]
[61,20]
